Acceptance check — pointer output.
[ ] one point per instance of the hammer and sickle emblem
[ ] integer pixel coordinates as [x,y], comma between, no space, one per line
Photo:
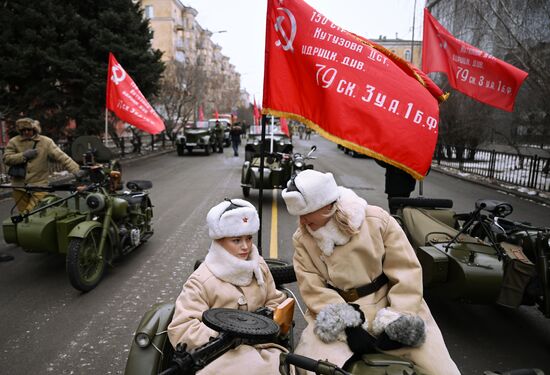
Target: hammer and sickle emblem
[279,28]
[118,74]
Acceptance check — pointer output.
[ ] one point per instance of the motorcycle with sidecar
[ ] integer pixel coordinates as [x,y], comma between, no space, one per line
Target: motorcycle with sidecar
[480,256]
[278,169]
[151,352]
[92,222]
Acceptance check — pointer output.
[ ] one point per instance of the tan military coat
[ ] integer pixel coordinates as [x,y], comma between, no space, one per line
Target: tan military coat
[202,291]
[37,168]
[380,246]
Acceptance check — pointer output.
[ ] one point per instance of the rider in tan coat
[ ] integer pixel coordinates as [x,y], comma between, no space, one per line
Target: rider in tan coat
[234,276]
[360,279]
[35,150]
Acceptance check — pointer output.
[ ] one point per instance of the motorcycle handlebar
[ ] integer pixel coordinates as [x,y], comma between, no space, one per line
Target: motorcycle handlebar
[318,367]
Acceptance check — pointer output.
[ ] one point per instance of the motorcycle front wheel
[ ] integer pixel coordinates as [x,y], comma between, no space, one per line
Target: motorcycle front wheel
[85,265]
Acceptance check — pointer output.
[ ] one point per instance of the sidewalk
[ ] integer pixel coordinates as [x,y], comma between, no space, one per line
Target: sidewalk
[519,191]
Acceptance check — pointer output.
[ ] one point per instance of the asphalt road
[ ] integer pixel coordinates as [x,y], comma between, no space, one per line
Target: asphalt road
[47,327]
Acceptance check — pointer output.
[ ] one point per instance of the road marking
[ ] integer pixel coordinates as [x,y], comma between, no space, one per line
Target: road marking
[273,239]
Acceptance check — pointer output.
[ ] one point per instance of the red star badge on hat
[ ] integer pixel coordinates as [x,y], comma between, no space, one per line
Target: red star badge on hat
[245,219]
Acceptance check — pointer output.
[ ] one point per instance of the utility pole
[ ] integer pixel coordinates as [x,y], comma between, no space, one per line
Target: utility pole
[412,39]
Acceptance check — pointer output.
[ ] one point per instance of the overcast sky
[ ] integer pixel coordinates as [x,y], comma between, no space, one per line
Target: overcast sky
[244,23]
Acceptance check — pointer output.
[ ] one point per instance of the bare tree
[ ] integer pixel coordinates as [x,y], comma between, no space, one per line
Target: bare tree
[181,91]
[517,32]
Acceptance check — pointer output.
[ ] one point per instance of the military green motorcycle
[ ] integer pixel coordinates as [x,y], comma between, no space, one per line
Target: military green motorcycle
[93,225]
[479,256]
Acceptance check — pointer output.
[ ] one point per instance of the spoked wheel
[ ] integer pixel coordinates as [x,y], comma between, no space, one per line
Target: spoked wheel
[85,265]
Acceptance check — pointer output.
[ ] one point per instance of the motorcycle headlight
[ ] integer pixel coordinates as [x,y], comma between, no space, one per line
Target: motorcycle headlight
[256,143]
[142,340]
[95,201]
[298,164]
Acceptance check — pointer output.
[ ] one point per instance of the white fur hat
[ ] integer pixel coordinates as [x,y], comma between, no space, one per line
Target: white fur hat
[232,218]
[309,191]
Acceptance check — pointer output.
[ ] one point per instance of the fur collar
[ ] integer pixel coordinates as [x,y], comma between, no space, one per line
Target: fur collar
[231,269]
[330,235]
[353,205]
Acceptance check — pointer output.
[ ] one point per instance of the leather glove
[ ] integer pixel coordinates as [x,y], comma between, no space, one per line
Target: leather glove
[383,342]
[360,341]
[30,154]
[409,330]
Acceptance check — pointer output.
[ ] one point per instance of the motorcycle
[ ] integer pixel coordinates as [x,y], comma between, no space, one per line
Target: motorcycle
[151,353]
[93,225]
[278,169]
[479,256]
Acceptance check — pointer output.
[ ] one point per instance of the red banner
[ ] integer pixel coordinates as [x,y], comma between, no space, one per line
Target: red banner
[284,126]
[470,70]
[257,115]
[127,102]
[201,114]
[348,89]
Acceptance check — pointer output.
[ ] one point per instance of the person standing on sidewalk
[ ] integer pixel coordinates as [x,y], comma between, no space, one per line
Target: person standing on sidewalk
[34,150]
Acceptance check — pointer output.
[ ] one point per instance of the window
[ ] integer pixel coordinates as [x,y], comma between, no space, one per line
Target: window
[149,12]
[408,54]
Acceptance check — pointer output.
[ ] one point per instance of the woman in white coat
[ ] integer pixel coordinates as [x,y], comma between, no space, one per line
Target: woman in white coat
[233,275]
[360,279]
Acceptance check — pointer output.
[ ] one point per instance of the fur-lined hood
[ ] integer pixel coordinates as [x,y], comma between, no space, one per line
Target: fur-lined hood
[353,205]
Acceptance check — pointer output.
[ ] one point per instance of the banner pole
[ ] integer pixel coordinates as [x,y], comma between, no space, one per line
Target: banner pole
[106,130]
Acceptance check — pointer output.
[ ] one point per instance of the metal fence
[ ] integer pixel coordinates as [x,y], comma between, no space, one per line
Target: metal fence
[529,171]
[131,146]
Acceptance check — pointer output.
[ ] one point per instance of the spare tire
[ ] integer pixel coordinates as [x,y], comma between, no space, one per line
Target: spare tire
[283,272]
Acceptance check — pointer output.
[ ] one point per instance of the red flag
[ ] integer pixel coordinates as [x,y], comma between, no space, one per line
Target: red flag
[470,70]
[348,89]
[284,126]
[127,102]
[256,113]
[201,114]
[216,115]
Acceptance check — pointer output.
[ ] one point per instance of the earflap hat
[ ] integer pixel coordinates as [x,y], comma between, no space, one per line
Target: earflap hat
[232,218]
[309,191]
[27,123]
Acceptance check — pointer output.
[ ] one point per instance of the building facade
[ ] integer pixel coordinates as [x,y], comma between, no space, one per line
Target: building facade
[181,38]
[406,49]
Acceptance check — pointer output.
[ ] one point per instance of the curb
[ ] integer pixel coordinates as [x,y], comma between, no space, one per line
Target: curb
[493,185]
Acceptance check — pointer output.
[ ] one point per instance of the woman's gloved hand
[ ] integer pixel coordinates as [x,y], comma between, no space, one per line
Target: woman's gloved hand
[393,327]
[409,330]
[333,319]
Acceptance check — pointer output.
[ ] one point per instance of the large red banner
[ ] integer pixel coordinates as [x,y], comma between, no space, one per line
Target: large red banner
[348,89]
[127,102]
[469,69]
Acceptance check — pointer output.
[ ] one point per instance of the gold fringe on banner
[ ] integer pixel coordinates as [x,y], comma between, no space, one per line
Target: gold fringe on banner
[343,142]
